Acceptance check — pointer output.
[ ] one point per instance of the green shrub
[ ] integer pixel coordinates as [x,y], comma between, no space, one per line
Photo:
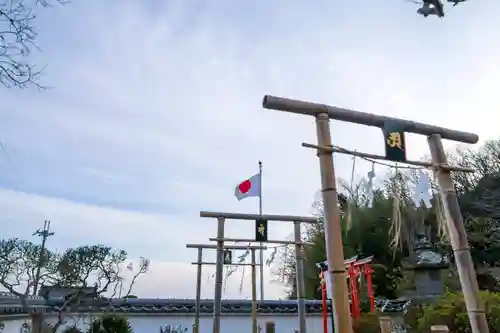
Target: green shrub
[367,323]
[413,315]
[450,310]
[111,324]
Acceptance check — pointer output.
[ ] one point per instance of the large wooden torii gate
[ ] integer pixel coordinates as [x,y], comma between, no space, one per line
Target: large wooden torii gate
[394,129]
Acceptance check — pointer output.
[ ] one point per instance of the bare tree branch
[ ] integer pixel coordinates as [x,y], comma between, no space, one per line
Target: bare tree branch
[17,38]
[83,274]
[143,268]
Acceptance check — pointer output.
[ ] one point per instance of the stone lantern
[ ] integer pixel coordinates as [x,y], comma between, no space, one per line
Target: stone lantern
[427,265]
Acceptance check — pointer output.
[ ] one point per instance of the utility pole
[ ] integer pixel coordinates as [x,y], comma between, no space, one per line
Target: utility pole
[44,233]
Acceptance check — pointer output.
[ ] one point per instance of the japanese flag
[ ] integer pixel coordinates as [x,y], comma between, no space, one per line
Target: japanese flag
[248,188]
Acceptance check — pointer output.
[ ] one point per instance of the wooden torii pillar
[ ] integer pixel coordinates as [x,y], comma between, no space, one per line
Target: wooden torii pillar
[261,233]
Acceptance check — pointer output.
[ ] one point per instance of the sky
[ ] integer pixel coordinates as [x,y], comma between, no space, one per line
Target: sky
[155,113]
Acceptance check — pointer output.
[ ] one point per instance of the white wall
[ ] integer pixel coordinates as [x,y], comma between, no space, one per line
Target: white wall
[229,324]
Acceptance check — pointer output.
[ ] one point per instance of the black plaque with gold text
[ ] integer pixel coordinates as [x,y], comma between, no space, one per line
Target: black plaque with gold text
[261,230]
[395,144]
[228,257]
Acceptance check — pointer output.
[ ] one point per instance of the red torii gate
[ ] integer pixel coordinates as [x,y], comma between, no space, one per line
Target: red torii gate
[355,268]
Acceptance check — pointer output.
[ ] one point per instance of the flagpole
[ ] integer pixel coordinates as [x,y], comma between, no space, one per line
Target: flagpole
[261,254]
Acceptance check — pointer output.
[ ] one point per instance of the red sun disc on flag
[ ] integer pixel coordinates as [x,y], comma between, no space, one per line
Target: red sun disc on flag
[245,186]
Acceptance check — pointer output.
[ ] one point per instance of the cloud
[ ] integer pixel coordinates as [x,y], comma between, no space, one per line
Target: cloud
[156,113]
[171,273]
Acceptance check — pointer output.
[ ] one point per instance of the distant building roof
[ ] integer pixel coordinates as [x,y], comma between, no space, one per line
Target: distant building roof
[58,291]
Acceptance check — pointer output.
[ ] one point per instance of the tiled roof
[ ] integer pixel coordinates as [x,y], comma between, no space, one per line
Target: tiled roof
[176,306]
[189,307]
[10,304]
